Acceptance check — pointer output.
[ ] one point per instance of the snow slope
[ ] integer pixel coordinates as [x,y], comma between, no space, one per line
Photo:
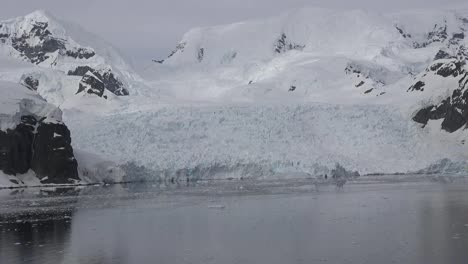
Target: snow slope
[57,54]
[312,55]
[17,101]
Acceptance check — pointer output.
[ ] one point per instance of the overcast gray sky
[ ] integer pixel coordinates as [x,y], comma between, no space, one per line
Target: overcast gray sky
[146,29]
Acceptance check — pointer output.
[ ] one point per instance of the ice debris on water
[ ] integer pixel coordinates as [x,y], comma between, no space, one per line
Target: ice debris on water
[217,206]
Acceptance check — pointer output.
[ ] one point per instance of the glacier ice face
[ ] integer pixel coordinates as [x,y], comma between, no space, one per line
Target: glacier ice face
[262,140]
[446,167]
[94,169]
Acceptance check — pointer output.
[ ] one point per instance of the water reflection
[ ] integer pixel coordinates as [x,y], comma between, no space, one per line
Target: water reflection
[444,227]
[34,242]
[370,224]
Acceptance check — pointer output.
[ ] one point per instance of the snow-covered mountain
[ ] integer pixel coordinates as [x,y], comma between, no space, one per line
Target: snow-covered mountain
[61,61]
[288,96]
[415,59]
[297,93]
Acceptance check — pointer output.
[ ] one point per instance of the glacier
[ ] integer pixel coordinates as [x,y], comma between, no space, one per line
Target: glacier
[263,140]
[287,96]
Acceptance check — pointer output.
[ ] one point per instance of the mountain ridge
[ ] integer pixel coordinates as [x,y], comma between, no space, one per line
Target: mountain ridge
[60,55]
[323,55]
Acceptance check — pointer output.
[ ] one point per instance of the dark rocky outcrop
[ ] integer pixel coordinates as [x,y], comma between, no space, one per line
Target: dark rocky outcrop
[283,45]
[438,34]
[44,44]
[462,53]
[179,48]
[361,83]
[98,81]
[453,110]
[53,154]
[366,76]
[457,38]
[16,147]
[369,91]
[201,54]
[112,84]
[81,71]
[3,37]
[460,35]
[441,55]
[40,146]
[38,44]
[352,68]
[402,32]
[30,82]
[80,53]
[91,85]
[453,68]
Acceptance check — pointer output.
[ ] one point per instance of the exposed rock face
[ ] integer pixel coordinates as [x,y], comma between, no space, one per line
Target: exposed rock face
[91,85]
[201,54]
[442,55]
[450,64]
[16,149]
[453,110]
[438,34]
[179,48]
[42,147]
[418,86]
[38,44]
[368,79]
[284,45]
[30,82]
[402,32]
[40,39]
[53,154]
[452,68]
[80,53]
[98,81]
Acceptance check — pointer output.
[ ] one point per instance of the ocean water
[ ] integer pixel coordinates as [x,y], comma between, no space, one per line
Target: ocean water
[237,222]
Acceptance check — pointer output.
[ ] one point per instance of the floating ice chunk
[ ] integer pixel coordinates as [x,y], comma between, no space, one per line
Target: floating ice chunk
[217,206]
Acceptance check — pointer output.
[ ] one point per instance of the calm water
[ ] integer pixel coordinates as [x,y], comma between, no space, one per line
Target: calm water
[237,222]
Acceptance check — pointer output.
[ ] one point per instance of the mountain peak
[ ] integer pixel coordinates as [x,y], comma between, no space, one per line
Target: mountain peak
[39,15]
[39,19]
[61,55]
